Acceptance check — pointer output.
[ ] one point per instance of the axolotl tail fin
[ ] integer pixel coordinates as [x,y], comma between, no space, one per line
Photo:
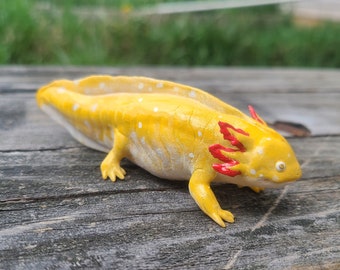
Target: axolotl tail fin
[73,111]
[106,85]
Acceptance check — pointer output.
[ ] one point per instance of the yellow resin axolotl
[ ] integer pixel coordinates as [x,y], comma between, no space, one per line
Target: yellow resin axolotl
[173,131]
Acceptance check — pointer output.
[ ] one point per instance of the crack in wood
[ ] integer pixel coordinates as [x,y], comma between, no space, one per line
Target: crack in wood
[257,226]
[11,91]
[40,150]
[25,200]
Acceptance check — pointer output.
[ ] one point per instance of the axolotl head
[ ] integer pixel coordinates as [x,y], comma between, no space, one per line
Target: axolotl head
[258,156]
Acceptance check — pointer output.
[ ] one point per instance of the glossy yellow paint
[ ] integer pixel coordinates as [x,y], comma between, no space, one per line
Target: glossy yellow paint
[169,130]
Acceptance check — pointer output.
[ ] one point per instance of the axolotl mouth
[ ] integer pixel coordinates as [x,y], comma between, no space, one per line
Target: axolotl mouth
[266,183]
[246,181]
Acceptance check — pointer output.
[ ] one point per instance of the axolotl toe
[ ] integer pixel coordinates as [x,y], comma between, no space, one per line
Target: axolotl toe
[173,131]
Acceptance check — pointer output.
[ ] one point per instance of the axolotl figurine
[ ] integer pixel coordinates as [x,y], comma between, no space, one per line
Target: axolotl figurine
[173,131]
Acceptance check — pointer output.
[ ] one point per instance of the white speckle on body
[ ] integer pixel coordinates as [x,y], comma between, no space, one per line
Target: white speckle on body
[140,99]
[176,89]
[268,139]
[61,90]
[94,107]
[159,85]
[155,109]
[140,124]
[275,178]
[142,140]
[150,89]
[289,155]
[88,91]
[102,86]
[140,86]
[199,133]
[191,155]
[260,151]
[75,107]
[261,175]
[192,94]
[133,136]
[253,171]
[161,154]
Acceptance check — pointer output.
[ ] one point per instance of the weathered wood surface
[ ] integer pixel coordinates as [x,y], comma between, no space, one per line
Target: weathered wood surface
[57,213]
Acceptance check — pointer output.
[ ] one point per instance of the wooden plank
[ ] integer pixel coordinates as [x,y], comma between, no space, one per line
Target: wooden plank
[57,212]
[238,80]
[144,214]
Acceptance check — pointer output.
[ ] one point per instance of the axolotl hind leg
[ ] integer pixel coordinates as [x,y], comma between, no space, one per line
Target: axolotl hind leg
[200,190]
[110,166]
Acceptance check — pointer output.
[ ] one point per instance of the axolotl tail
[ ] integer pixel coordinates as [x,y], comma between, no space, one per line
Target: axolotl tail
[76,113]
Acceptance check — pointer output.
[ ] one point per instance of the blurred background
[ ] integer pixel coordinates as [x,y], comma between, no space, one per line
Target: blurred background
[155,32]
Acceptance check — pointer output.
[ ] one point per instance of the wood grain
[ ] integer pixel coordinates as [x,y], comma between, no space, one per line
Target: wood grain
[57,213]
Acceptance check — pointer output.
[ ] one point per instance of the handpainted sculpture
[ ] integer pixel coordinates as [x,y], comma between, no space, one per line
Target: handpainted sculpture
[173,131]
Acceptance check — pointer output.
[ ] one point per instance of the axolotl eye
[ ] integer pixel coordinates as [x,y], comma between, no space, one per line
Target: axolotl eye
[280,166]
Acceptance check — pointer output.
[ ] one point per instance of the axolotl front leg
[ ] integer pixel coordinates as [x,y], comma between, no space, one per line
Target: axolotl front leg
[200,190]
[110,166]
[199,187]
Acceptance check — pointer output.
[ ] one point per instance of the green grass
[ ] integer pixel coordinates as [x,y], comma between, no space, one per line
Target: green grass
[262,36]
